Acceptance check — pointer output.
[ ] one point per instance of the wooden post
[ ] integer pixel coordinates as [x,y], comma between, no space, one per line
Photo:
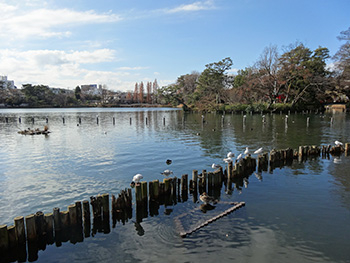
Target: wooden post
[86,211]
[49,227]
[72,209]
[144,190]
[113,120]
[230,170]
[57,219]
[167,186]
[79,212]
[138,193]
[11,231]
[30,227]
[194,179]
[156,189]
[62,120]
[4,239]
[184,182]
[105,205]
[65,219]
[347,149]
[20,119]
[39,223]
[20,230]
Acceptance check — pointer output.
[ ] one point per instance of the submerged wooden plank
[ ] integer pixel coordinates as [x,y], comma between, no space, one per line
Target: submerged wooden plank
[184,233]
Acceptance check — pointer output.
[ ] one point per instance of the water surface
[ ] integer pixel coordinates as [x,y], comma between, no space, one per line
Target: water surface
[297,213]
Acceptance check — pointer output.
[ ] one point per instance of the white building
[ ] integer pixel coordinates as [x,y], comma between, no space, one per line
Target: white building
[6,84]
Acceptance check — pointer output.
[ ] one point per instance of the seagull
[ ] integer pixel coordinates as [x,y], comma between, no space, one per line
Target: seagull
[239,157]
[246,150]
[230,154]
[258,151]
[215,166]
[206,199]
[337,143]
[137,178]
[167,172]
[227,160]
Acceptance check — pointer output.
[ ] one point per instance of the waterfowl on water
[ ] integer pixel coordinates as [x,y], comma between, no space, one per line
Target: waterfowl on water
[167,172]
[168,161]
[258,151]
[206,199]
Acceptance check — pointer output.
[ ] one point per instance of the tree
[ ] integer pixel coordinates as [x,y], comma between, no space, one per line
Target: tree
[149,92]
[136,93]
[77,93]
[342,66]
[170,95]
[303,73]
[141,92]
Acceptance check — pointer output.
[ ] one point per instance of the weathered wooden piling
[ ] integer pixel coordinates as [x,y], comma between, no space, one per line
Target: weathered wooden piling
[184,182]
[230,170]
[138,193]
[113,120]
[20,120]
[20,230]
[194,180]
[72,209]
[4,239]
[49,227]
[86,211]
[97,120]
[11,231]
[57,219]
[31,228]
[347,149]
[40,224]
[155,189]
[79,120]
[105,205]
[144,190]
[63,120]
[64,215]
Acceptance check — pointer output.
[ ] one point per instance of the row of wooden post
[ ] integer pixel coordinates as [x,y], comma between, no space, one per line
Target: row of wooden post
[79,120]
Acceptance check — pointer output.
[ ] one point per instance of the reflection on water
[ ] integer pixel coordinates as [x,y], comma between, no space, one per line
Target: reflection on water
[285,208]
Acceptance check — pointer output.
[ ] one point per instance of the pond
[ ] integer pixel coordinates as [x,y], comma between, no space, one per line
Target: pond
[295,213]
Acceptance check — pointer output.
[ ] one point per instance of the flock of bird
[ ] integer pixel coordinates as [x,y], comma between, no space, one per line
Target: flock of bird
[204,197]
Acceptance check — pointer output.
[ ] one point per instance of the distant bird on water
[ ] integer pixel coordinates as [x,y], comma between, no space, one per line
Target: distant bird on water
[258,151]
[246,150]
[136,179]
[168,161]
[167,172]
[206,199]
[337,143]
[230,154]
[215,166]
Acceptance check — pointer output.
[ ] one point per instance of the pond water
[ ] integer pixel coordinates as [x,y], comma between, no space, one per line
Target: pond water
[296,213]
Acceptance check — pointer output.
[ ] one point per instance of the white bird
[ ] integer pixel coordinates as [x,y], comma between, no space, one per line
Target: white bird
[227,160]
[136,179]
[230,154]
[258,151]
[215,166]
[167,172]
[246,150]
[239,157]
[337,143]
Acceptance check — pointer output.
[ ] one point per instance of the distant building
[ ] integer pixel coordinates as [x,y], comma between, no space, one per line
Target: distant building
[61,91]
[6,84]
[91,89]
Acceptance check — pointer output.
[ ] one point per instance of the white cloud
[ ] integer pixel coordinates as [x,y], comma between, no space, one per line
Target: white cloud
[45,22]
[196,6]
[58,68]
[132,68]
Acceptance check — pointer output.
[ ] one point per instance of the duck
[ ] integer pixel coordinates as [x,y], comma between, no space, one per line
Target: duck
[168,161]
[206,199]
[136,179]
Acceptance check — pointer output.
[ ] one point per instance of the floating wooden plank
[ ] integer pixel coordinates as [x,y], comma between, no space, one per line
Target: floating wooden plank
[184,233]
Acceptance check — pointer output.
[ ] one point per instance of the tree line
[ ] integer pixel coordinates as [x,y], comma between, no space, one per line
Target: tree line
[299,78]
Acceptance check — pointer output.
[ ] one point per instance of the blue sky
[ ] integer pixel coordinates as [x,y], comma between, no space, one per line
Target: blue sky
[118,43]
